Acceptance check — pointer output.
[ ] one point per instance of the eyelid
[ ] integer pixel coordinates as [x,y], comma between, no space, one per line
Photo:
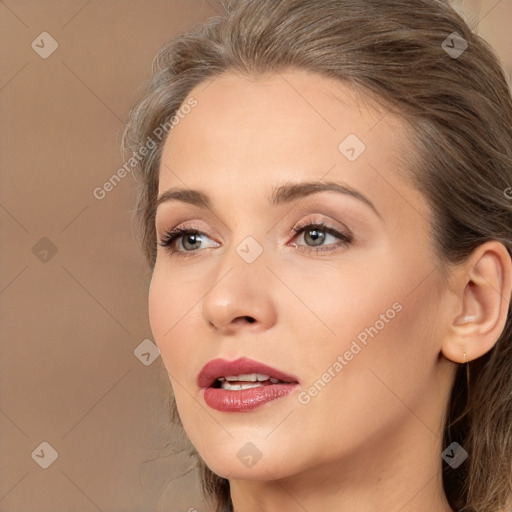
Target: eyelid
[324,225]
[182,227]
[309,222]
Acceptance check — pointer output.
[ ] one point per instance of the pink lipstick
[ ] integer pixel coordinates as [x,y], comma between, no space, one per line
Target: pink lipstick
[243,384]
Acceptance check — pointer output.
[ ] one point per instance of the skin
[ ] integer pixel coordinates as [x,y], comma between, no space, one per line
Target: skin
[371,438]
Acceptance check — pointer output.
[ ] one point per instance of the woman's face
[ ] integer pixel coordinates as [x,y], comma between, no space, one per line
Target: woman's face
[351,317]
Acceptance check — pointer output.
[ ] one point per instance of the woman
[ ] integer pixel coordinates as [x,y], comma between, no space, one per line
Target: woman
[328,222]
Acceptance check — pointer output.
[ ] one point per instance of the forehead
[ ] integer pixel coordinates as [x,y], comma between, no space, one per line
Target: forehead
[246,133]
[287,113]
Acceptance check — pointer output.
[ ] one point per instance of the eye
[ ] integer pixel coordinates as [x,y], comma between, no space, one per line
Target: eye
[184,241]
[315,234]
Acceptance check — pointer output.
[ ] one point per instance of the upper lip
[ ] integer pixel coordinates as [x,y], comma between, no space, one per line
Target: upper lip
[223,368]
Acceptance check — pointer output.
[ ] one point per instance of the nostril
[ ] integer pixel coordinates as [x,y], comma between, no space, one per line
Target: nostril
[248,319]
[240,321]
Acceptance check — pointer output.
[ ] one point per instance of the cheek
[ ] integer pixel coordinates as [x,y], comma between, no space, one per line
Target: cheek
[342,305]
[170,310]
[359,390]
[160,309]
[366,327]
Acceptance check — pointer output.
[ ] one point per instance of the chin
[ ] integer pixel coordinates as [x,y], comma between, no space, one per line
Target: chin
[263,470]
[240,459]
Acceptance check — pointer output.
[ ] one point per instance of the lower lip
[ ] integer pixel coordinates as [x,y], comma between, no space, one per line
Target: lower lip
[245,400]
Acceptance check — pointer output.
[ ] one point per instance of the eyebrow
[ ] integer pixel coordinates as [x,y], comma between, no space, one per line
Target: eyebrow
[282,194]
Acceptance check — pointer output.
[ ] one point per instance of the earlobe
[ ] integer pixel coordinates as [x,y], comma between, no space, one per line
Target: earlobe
[483,292]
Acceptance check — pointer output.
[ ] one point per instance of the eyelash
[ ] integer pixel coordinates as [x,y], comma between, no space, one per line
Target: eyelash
[173,235]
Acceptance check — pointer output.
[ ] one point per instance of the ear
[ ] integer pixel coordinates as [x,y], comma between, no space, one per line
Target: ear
[482,291]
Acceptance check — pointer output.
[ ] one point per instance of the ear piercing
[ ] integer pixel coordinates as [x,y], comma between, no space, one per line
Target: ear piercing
[467,372]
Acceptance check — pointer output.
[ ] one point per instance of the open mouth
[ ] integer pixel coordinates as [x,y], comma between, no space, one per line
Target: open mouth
[241,374]
[243,385]
[246,381]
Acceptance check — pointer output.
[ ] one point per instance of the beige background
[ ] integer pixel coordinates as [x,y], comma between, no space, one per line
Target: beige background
[70,324]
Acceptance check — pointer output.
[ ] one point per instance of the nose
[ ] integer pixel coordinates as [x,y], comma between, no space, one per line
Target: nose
[240,299]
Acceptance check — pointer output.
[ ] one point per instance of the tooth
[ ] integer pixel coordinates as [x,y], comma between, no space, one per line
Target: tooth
[247,377]
[274,381]
[239,387]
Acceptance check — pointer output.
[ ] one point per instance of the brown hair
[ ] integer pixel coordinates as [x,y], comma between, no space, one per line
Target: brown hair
[459,108]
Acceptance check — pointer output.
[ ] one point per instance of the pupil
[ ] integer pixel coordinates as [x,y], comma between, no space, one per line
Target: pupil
[192,238]
[316,233]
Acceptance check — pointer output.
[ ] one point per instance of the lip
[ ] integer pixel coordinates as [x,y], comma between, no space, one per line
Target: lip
[244,400]
[222,368]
